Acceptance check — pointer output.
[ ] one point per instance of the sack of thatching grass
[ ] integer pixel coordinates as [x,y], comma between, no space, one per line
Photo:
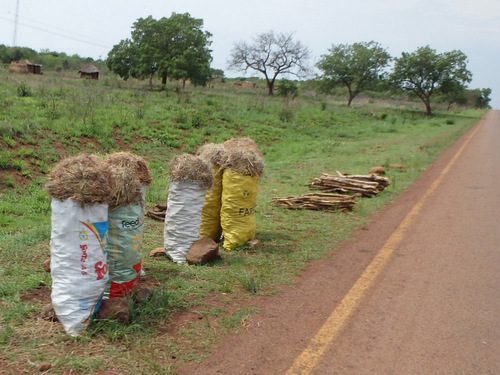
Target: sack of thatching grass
[80,189]
[136,164]
[78,262]
[240,180]
[210,215]
[190,177]
[242,143]
[126,228]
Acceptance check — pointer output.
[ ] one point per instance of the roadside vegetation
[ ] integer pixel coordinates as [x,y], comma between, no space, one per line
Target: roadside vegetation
[44,118]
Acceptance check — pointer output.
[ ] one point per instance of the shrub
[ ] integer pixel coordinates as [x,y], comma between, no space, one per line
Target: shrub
[23,90]
[287,89]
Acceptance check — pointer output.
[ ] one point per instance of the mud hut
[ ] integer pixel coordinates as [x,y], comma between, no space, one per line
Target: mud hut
[89,71]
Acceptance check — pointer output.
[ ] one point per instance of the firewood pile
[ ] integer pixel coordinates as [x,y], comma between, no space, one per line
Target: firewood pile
[360,185]
[157,213]
[317,201]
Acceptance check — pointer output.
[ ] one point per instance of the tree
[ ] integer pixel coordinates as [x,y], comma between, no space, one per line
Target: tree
[174,47]
[271,54]
[425,72]
[453,92]
[481,98]
[355,66]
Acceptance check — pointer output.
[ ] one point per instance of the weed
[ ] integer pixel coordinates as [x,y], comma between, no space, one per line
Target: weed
[249,282]
[9,182]
[287,112]
[52,113]
[6,159]
[9,141]
[23,90]
[238,319]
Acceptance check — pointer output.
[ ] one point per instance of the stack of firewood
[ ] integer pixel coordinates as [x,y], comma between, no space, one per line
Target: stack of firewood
[337,192]
[360,185]
[317,201]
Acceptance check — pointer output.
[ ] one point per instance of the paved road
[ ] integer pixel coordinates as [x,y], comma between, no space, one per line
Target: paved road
[416,293]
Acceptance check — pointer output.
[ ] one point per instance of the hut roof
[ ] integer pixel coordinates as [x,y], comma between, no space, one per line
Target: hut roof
[89,68]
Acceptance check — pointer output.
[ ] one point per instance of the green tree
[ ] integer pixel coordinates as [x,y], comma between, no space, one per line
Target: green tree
[271,54]
[120,60]
[354,66]
[480,98]
[174,47]
[425,73]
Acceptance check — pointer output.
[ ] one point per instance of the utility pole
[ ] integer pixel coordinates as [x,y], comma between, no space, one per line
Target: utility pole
[15,23]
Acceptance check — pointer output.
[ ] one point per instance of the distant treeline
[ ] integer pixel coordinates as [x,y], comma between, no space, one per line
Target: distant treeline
[50,60]
[59,61]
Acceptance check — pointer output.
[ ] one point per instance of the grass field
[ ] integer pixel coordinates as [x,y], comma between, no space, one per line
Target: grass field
[46,118]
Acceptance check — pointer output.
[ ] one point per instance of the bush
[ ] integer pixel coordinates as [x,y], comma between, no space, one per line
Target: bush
[23,90]
[287,89]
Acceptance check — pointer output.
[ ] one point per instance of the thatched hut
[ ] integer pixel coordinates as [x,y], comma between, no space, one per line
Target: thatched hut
[89,71]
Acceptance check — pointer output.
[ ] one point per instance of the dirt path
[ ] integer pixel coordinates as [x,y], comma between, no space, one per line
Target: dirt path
[431,307]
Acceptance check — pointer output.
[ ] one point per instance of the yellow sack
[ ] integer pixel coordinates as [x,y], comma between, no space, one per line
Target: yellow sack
[210,215]
[239,200]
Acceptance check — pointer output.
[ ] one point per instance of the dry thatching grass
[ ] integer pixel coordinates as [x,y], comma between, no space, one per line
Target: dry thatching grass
[245,161]
[131,161]
[84,178]
[19,67]
[214,153]
[187,167]
[239,143]
[126,187]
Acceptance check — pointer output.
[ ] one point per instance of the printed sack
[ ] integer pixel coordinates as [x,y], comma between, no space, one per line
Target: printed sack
[78,261]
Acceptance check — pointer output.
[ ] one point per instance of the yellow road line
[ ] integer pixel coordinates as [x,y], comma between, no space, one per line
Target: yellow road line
[309,359]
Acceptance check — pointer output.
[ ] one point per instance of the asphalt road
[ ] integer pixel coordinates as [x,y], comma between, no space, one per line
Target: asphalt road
[418,292]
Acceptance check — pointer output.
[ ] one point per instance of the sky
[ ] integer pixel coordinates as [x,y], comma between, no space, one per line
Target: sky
[91,28]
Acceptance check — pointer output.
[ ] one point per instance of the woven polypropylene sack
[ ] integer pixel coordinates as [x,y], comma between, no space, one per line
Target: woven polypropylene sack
[210,215]
[239,199]
[78,262]
[183,218]
[126,229]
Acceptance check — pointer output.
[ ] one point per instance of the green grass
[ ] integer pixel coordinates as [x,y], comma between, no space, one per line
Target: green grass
[301,139]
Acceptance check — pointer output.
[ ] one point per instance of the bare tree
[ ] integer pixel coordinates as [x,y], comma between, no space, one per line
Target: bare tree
[271,54]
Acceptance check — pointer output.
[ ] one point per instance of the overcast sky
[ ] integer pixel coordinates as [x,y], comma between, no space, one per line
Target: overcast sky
[90,28]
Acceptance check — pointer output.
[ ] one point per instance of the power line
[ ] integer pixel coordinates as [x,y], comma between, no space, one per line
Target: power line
[63,30]
[99,44]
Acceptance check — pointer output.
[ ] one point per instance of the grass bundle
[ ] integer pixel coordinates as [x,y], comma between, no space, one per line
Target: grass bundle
[126,187]
[214,153]
[131,161]
[84,178]
[187,167]
[239,143]
[19,67]
[245,161]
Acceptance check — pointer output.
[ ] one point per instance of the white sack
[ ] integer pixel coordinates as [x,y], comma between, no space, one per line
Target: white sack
[183,218]
[78,261]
